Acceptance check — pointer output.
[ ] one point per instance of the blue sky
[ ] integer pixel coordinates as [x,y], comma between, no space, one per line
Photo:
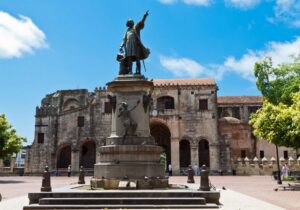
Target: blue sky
[51,45]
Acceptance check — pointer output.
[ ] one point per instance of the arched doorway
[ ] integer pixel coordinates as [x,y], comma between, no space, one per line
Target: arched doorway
[185,153]
[203,151]
[161,133]
[64,157]
[88,154]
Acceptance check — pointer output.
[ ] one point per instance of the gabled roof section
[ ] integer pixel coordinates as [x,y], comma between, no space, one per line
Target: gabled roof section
[240,100]
[184,82]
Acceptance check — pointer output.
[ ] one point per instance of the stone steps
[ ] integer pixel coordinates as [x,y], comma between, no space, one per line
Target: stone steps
[81,207]
[210,196]
[123,201]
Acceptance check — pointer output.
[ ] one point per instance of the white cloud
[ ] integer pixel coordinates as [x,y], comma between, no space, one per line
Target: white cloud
[243,4]
[189,2]
[279,51]
[167,1]
[182,66]
[287,11]
[19,36]
[186,67]
[198,2]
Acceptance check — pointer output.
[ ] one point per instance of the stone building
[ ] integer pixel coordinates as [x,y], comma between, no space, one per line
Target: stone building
[188,120]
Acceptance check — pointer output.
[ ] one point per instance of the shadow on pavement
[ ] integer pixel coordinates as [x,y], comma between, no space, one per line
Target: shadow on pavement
[10,182]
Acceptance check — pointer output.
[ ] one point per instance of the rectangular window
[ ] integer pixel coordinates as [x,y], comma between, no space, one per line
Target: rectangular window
[41,138]
[285,154]
[23,156]
[261,154]
[203,104]
[243,153]
[107,108]
[80,121]
[252,109]
[236,112]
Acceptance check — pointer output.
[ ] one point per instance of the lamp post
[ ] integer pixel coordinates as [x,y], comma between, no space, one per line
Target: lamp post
[278,168]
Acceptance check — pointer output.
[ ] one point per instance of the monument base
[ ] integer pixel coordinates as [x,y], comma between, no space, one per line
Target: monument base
[130,184]
[132,163]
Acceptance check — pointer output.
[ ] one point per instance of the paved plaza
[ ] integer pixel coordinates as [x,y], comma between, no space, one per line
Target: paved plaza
[242,192]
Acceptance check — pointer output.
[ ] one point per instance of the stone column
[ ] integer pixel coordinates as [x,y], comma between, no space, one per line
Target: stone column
[75,160]
[228,157]
[175,155]
[194,154]
[214,157]
[12,164]
[245,117]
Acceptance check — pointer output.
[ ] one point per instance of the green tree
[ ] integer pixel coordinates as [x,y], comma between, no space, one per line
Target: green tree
[10,142]
[278,83]
[278,121]
[278,124]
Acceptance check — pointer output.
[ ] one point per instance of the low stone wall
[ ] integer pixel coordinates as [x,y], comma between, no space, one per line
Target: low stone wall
[11,170]
[264,166]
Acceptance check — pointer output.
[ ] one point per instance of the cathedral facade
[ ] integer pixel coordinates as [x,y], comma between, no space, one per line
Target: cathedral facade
[187,118]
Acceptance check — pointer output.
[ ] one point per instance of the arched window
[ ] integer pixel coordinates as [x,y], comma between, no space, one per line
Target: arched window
[165,102]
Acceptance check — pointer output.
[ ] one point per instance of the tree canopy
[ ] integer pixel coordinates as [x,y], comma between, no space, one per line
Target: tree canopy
[279,124]
[10,141]
[278,83]
[278,121]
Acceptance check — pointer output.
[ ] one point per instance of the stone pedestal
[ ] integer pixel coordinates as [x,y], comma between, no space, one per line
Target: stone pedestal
[130,153]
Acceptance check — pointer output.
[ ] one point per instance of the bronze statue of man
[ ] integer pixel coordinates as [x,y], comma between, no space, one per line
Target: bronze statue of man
[134,50]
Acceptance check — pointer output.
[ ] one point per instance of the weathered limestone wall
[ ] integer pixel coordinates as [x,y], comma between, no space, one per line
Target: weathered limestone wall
[270,150]
[187,122]
[57,119]
[238,135]
[10,170]
[57,116]
[264,166]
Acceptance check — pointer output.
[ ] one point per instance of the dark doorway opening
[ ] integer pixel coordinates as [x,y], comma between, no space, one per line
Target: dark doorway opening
[88,154]
[203,151]
[64,157]
[162,136]
[185,153]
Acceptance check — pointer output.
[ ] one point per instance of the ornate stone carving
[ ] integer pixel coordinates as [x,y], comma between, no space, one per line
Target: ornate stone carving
[128,123]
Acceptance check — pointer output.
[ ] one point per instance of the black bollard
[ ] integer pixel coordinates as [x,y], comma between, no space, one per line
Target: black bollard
[204,186]
[46,182]
[190,175]
[81,176]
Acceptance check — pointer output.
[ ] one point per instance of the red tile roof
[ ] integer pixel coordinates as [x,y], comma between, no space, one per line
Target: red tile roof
[184,82]
[240,100]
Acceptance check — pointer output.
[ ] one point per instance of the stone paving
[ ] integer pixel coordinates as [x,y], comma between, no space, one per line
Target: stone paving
[260,187]
[242,192]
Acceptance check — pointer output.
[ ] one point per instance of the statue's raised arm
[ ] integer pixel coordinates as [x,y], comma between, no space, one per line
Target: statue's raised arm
[140,25]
